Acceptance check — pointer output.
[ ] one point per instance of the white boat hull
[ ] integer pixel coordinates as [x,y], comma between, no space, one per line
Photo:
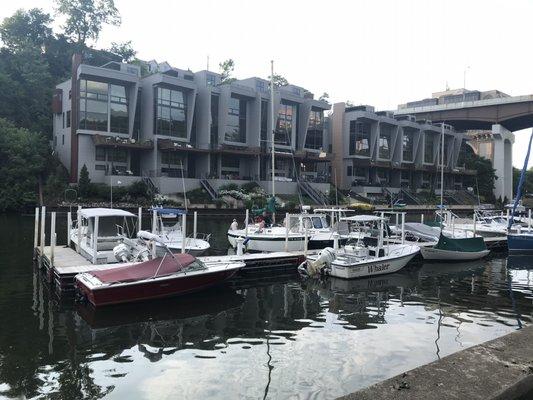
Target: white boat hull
[268,243]
[430,253]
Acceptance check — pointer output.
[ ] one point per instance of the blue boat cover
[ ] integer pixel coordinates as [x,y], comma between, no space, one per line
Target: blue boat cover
[167,211]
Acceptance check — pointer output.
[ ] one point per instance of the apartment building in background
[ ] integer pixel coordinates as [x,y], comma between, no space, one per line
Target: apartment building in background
[167,123]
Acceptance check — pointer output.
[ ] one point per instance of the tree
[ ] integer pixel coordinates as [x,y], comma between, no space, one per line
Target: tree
[349,103]
[324,97]
[123,50]
[278,80]
[84,183]
[226,69]
[85,18]
[485,177]
[26,29]
[22,160]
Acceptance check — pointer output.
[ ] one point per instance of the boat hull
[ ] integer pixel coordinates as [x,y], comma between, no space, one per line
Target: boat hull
[269,244]
[521,243]
[430,253]
[152,288]
[370,268]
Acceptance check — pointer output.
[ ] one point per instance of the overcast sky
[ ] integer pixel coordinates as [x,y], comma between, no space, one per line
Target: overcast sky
[373,52]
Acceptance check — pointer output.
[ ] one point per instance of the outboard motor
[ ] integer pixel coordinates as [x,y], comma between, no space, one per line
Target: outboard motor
[325,258]
[122,252]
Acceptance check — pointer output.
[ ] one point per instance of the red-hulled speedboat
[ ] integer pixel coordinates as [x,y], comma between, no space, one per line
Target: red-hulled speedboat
[165,276]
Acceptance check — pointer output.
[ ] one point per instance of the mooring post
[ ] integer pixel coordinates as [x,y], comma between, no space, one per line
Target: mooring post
[335,241]
[43,226]
[529,220]
[475,224]
[36,232]
[183,232]
[95,240]
[246,218]
[52,238]
[78,224]
[305,242]
[154,222]
[286,231]
[403,227]
[195,224]
[422,218]
[240,242]
[69,227]
[139,219]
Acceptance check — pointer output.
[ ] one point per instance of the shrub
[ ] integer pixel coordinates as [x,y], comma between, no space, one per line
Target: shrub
[198,196]
[250,187]
[84,182]
[229,186]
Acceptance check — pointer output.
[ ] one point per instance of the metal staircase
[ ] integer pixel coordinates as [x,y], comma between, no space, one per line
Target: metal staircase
[209,189]
[152,188]
[315,195]
[409,197]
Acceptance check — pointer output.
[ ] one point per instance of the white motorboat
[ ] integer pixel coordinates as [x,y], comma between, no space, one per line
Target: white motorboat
[97,231]
[360,260]
[289,237]
[170,230]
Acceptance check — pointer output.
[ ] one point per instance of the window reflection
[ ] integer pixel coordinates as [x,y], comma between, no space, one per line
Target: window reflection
[171,112]
[236,122]
[360,138]
[315,131]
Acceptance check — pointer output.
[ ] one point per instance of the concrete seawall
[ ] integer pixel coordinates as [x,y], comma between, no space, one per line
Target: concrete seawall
[499,369]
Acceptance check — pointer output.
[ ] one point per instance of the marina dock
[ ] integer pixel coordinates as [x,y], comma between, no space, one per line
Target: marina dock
[67,263]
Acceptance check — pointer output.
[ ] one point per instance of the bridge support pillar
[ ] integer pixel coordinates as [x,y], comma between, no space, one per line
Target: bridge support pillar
[503,162]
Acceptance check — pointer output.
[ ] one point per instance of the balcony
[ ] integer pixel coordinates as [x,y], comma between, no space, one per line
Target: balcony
[122,142]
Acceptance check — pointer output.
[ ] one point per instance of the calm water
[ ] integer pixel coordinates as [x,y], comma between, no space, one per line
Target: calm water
[267,336]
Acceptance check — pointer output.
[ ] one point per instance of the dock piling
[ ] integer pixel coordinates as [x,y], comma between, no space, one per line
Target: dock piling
[529,220]
[78,224]
[246,222]
[422,218]
[36,231]
[195,224]
[53,237]
[140,219]
[69,227]
[286,231]
[154,222]
[240,242]
[95,240]
[305,242]
[43,226]
[475,224]
[403,227]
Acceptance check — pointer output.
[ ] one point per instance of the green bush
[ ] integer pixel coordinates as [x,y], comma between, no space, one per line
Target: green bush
[198,196]
[249,187]
[229,186]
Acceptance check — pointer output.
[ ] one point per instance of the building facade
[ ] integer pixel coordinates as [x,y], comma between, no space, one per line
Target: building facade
[169,123]
[377,153]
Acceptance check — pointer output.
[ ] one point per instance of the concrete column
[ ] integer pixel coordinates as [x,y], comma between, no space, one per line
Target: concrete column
[502,161]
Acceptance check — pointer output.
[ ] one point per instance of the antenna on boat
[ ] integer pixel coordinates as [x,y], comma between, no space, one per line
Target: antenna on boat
[273,127]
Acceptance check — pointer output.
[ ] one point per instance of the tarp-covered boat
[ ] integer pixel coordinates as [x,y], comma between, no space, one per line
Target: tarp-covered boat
[451,249]
[161,277]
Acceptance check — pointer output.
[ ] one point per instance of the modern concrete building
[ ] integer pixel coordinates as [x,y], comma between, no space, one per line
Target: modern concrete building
[124,125]
[472,111]
[378,154]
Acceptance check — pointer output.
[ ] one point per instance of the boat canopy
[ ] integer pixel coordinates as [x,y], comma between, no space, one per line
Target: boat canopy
[168,211]
[105,212]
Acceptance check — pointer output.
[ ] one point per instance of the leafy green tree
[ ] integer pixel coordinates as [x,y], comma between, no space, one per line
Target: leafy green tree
[84,182]
[278,80]
[26,29]
[22,161]
[349,103]
[486,175]
[226,69]
[85,18]
[124,50]
[324,97]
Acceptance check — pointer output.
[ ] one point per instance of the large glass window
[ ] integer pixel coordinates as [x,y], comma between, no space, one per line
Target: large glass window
[429,146]
[171,112]
[315,130]
[118,109]
[93,105]
[102,104]
[408,146]
[286,125]
[359,138]
[236,123]
[384,144]
[230,166]
[264,120]
[214,119]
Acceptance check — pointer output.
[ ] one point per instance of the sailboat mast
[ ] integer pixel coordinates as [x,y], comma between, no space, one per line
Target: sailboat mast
[272,121]
[442,168]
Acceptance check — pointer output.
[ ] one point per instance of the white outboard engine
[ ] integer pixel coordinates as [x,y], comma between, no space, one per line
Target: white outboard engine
[324,260]
[122,252]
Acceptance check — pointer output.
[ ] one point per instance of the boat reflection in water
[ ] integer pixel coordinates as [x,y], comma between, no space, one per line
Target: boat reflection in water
[519,261]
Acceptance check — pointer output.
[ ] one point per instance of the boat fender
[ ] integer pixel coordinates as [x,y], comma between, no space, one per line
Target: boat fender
[246,240]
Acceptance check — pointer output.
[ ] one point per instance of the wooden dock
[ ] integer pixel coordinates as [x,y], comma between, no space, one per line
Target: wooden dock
[68,263]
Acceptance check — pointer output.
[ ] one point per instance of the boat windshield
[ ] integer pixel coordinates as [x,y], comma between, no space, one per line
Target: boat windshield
[113,226]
